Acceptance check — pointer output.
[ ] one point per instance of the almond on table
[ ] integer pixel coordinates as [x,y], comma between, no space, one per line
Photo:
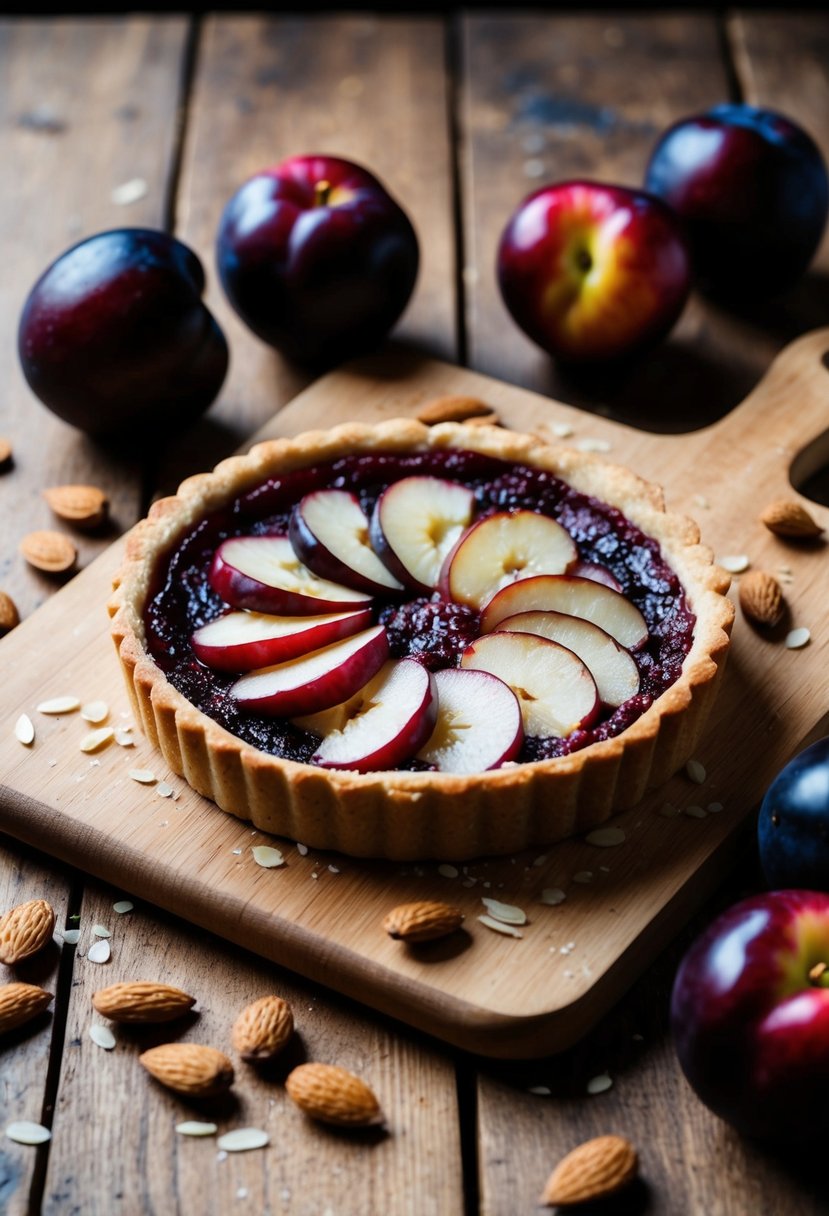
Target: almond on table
[9,616]
[453,408]
[51,552]
[594,1170]
[263,1029]
[25,930]
[84,506]
[333,1095]
[19,1003]
[790,519]
[422,921]
[142,1001]
[191,1069]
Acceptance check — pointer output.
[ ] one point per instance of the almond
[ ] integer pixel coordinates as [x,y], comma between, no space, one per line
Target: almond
[788,518]
[142,1001]
[484,420]
[189,1068]
[9,616]
[595,1169]
[51,552]
[263,1028]
[453,409]
[5,454]
[423,921]
[25,930]
[761,598]
[84,506]
[332,1095]
[20,1003]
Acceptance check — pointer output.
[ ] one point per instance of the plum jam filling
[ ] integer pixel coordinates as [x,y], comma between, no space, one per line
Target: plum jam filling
[431,629]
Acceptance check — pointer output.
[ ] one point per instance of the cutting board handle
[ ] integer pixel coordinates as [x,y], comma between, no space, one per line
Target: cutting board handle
[786,416]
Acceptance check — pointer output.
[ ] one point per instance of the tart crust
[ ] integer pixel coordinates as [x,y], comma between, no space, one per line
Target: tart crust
[420,815]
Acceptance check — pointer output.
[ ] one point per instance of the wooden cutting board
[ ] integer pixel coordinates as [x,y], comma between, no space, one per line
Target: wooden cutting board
[320,914]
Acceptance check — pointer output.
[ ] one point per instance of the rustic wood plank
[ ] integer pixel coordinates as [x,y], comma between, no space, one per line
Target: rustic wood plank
[553,97]
[25,1053]
[370,89]
[115,1142]
[85,105]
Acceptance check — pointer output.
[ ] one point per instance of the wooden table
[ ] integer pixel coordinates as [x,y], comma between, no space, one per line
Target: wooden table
[461,116]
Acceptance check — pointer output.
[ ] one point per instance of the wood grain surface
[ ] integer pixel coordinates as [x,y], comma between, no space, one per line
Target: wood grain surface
[134,88]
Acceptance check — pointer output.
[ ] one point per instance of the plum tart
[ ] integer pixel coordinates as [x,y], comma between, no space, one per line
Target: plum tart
[411,642]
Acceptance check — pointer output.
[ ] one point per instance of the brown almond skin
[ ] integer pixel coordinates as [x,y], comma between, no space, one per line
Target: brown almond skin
[422,921]
[594,1170]
[790,519]
[83,506]
[142,1001]
[25,931]
[189,1068]
[51,552]
[452,408]
[6,454]
[9,616]
[333,1095]
[263,1029]
[761,598]
[19,1003]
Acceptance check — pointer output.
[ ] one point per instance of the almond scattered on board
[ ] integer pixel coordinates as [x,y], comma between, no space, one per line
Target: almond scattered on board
[453,409]
[423,921]
[25,930]
[84,506]
[20,1003]
[5,454]
[333,1095]
[189,1068]
[594,1170]
[9,616]
[761,598]
[142,1001]
[263,1028]
[788,518]
[51,552]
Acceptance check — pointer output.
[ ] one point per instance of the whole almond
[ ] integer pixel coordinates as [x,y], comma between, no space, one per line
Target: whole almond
[142,1001]
[20,1003]
[84,506]
[453,409]
[423,921]
[263,1028]
[788,518]
[761,598]
[333,1095]
[25,930]
[5,454]
[9,616]
[51,552]
[189,1068]
[594,1170]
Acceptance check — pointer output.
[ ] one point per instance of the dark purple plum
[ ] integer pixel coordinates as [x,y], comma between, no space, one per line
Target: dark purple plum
[115,333]
[317,258]
[793,828]
[752,189]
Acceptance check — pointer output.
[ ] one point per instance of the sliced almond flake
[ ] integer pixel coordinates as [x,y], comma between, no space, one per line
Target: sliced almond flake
[540,861]
[243,1138]
[668,810]
[102,1036]
[333,869]
[605,838]
[267,857]
[508,913]
[695,771]
[237,852]
[562,430]
[101,931]
[59,705]
[599,1084]
[798,638]
[95,711]
[590,444]
[500,927]
[542,1090]
[144,776]
[701,501]
[583,876]
[71,936]
[192,1127]
[24,731]
[164,790]
[302,849]
[734,563]
[100,952]
[714,808]
[447,871]
[469,882]
[695,812]
[97,738]
[131,191]
[553,896]
[24,1132]
[123,737]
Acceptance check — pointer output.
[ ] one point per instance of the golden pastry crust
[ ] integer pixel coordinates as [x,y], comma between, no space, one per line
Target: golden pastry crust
[412,815]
